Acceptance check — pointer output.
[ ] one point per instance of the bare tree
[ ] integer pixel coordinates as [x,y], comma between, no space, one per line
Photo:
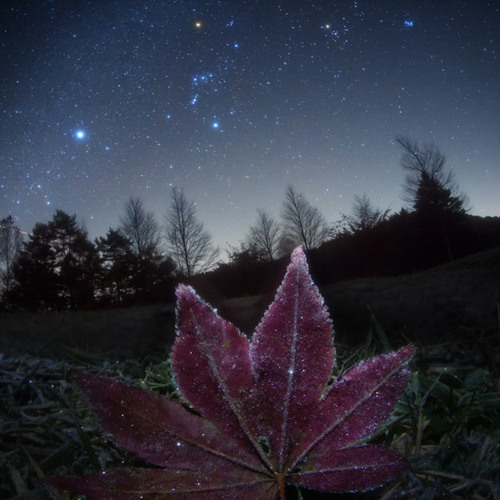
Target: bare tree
[426,165]
[303,223]
[10,245]
[142,230]
[266,235]
[188,243]
[340,227]
[434,195]
[365,215]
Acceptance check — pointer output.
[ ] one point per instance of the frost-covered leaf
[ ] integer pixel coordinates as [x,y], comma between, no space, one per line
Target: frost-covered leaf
[263,418]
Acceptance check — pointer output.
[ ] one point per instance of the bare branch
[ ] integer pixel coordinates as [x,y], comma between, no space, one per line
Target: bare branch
[365,215]
[266,235]
[426,161]
[303,223]
[188,243]
[142,229]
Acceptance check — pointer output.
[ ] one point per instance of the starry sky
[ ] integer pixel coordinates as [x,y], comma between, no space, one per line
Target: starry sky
[234,100]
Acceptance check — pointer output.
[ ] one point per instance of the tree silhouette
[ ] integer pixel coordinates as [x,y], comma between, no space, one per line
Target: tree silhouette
[434,195]
[10,245]
[77,258]
[303,223]
[365,215]
[35,271]
[141,228]
[265,236]
[188,243]
[57,266]
[244,256]
[117,266]
[426,164]
[433,198]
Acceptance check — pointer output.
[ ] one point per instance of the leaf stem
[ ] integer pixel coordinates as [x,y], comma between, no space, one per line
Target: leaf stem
[281,485]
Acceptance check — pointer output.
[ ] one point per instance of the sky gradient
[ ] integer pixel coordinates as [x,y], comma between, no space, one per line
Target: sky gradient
[233,101]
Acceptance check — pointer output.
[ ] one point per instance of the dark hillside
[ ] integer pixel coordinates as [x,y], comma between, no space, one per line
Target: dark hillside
[425,306]
[428,306]
[401,245]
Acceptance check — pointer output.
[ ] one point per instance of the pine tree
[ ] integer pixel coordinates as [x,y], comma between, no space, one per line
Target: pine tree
[117,266]
[433,193]
[57,266]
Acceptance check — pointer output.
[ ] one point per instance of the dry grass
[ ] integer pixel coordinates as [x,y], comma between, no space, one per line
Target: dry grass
[447,421]
[115,334]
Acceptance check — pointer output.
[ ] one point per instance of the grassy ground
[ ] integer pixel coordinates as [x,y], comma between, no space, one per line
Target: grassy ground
[447,421]
[421,307]
[140,333]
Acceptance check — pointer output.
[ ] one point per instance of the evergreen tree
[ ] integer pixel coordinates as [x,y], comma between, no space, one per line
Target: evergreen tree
[432,198]
[57,266]
[439,206]
[427,174]
[117,266]
[35,271]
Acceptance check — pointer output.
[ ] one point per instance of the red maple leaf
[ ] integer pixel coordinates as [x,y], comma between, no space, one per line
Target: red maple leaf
[265,415]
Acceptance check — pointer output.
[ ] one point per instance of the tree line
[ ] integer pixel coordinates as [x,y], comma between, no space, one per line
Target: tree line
[58,267]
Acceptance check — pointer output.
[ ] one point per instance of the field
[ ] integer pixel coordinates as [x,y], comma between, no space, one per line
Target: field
[447,421]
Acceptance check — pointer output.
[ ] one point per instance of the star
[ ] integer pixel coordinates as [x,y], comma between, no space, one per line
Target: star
[227,89]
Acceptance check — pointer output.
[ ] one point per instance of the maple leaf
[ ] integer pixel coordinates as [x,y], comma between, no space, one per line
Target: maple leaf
[264,415]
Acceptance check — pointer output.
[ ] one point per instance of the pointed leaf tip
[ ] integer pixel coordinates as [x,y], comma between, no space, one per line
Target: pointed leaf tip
[184,291]
[356,404]
[266,417]
[299,256]
[211,364]
[294,331]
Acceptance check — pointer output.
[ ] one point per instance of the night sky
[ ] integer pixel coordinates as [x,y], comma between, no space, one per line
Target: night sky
[235,100]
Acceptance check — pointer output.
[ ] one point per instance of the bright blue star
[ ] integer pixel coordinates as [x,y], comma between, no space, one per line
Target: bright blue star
[80,134]
[215,125]
[408,23]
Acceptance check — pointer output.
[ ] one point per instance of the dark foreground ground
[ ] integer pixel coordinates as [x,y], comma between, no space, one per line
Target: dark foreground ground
[446,423]
[429,306]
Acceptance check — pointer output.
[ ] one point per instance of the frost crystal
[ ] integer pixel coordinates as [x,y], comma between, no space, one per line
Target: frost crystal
[266,417]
